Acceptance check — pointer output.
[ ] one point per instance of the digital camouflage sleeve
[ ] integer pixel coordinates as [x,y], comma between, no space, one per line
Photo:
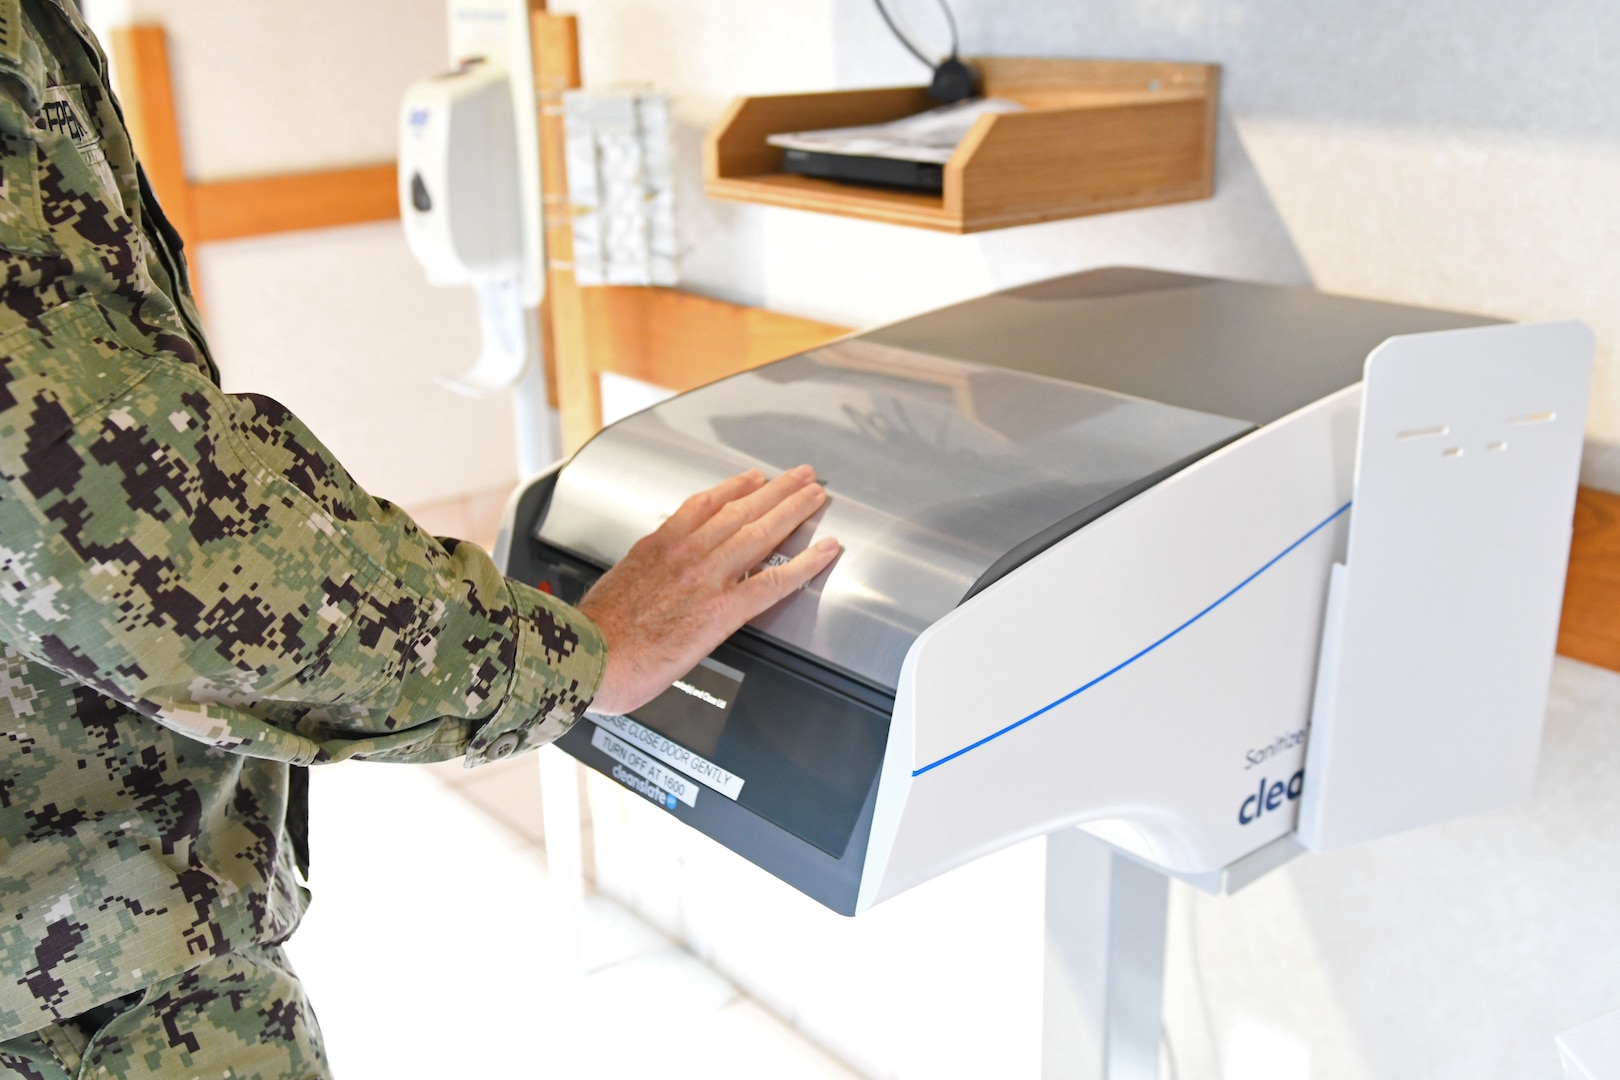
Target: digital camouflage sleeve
[193,593]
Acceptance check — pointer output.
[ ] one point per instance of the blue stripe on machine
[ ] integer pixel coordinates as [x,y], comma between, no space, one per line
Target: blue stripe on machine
[1117,668]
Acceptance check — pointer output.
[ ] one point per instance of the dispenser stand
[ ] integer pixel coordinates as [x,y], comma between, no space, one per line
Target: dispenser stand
[535,421]
[1104,982]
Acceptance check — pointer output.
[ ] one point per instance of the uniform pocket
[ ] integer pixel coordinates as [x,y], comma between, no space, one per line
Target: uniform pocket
[22,72]
[22,219]
[53,371]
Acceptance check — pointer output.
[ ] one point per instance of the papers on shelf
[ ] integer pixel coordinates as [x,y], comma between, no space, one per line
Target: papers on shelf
[930,136]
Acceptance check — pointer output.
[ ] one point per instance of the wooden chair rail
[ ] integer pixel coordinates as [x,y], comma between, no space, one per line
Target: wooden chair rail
[203,212]
[231,209]
[679,340]
[1590,628]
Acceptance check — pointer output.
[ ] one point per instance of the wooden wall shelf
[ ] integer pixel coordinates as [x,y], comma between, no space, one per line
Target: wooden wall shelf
[1098,135]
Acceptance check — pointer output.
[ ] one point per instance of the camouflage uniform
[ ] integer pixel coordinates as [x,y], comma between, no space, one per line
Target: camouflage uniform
[195,601]
[242,1014]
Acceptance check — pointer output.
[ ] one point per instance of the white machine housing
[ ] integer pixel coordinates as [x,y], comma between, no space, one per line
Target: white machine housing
[1184,713]
[1146,671]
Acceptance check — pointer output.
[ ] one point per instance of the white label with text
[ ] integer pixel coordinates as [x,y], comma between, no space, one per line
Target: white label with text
[672,754]
[644,766]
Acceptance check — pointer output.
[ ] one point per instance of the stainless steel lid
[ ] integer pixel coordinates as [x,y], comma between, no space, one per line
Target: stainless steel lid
[936,469]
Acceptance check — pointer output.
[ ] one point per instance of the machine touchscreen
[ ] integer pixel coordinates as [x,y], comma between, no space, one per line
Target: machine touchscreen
[693,711]
[749,730]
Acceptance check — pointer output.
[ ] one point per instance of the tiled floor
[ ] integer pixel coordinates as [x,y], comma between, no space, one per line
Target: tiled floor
[433,950]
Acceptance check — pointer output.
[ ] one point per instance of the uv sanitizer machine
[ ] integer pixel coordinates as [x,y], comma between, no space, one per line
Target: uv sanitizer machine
[1199,566]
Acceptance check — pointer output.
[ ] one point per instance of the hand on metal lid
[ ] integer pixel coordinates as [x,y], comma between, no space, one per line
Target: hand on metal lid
[693,582]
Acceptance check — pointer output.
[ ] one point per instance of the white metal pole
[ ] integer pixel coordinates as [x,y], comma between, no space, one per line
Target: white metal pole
[538,445]
[1104,969]
[565,855]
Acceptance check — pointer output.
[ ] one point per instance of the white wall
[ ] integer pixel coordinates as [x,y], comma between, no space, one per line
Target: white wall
[338,324]
[1454,154]
[1458,153]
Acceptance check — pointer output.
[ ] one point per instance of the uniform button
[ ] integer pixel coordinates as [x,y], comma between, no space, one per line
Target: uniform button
[503,746]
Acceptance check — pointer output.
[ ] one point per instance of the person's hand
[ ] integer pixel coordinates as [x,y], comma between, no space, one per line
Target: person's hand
[687,587]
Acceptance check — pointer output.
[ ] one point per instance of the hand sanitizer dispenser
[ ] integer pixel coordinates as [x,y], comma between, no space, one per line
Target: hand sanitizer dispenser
[470,202]
[458,177]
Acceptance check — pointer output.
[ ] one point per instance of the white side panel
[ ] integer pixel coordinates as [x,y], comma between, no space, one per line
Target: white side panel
[1465,493]
[1143,676]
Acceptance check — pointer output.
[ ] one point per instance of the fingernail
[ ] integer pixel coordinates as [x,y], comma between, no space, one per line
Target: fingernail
[827,543]
[755,476]
[803,472]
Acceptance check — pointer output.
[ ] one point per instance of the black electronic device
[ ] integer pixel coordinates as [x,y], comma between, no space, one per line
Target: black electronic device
[862,169]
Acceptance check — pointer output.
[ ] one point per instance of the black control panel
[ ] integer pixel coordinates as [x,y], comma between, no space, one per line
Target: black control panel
[772,754]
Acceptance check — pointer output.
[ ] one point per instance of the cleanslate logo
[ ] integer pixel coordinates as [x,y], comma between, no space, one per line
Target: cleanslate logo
[651,792]
[1270,799]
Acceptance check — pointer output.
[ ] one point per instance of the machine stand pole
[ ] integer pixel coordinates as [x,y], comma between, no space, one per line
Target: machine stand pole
[538,447]
[565,857]
[1104,980]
